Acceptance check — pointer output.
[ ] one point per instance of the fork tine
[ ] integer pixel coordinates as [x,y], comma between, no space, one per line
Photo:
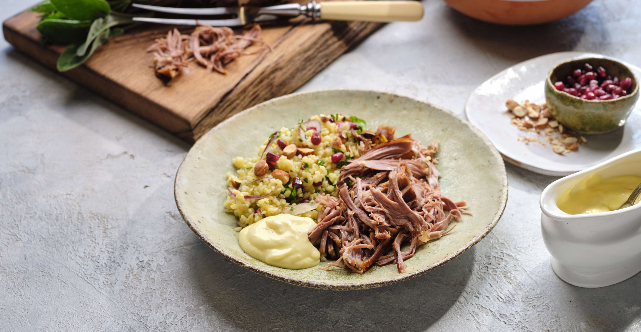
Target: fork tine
[174,21]
[190,11]
[635,194]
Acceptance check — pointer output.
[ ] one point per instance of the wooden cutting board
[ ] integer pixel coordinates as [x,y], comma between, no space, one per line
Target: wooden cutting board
[195,102]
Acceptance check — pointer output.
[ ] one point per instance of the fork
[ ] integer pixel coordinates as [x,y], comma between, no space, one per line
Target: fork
[370,11]
[633,197]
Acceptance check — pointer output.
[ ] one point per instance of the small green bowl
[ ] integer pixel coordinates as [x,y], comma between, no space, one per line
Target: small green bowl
[590,116]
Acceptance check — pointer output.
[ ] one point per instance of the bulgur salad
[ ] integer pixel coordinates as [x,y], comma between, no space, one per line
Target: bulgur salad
[375,198]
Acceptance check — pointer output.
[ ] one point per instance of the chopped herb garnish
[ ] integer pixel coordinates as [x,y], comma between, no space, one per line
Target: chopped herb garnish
[249,168]
[306,181]
[341,164]
[336,150]
[291,209]
[300,139]
[320,162]
[146,187]
[317,190]
[306,165]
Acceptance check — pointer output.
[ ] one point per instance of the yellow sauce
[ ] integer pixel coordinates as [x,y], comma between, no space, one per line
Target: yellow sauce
[281,241]
[596,194]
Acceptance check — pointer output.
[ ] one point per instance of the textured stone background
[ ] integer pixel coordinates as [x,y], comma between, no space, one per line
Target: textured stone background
[90,238]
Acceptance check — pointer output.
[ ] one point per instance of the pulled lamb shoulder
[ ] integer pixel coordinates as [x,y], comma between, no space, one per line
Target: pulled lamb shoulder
[388,197]
[211,47]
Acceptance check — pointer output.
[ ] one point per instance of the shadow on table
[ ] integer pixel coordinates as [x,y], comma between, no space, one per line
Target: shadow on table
[520,43]
[257,303]
[79,101]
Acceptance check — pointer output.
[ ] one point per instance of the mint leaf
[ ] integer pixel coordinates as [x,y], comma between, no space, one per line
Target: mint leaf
[45,7]
[69,59]
[98,27]
[61,31]
[83,9]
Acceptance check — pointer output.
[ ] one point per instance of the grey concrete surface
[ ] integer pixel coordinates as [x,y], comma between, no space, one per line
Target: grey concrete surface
[91,240]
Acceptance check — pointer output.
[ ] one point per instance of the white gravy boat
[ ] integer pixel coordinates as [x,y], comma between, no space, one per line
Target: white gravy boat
[593,250]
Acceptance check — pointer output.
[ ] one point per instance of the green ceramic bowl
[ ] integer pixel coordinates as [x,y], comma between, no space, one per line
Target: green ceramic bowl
[471,168]
[590,116]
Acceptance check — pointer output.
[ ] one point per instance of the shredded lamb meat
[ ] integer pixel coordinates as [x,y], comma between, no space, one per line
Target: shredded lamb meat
[388,197]
[212,48]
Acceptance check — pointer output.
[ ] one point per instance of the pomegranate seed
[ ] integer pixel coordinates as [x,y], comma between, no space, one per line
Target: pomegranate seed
[332,120]
[570,80]
[587,67]
[297,182]
[317,184]
[305,201]
[605,97]
[601,71]
[590,75]
[593,83]
[337,157]
[615,96]
[571,91]
[590,96]
[316,139]
[624,93]
[582,90]
[583,80]
[626,84]
[353,125]
[609,87]
[281,144]
[559,86]
[617,91]
[577,86]
[577,73]
[599,92]
[606,83]
[593,88]
[582,97]
[609,77]
[272,158]
[615,81]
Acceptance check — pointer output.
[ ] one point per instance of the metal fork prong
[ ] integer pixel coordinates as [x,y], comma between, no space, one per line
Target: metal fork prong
[175,21]
[190,11]
[635,194]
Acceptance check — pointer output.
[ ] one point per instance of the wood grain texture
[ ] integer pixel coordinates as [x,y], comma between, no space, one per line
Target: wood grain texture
[195,102]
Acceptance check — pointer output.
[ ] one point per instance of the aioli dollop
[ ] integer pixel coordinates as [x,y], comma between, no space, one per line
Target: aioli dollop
[596,194]
[281,241]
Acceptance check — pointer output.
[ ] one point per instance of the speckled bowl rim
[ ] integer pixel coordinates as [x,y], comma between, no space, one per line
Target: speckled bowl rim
[548,81]
[365,285]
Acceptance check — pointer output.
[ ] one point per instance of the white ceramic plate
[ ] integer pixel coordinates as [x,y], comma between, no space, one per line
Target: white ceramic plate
[486,110]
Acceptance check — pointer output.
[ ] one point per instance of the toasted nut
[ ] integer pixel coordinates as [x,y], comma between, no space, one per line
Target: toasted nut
[324,118]
[528,124]
[337,142]
[561,128]
[235,183]
[570,140]
[526,103]
[544,106]
[290,151]
[304,151]
[532,112]
[519,111]
[542,123]
[535,107]
[511,104]
[572,146]
[553,123]
[281,175]
[261,168]
[546,113]
[583,139]
[558,149]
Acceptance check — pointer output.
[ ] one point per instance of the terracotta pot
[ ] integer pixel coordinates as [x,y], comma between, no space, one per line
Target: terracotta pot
[518,12]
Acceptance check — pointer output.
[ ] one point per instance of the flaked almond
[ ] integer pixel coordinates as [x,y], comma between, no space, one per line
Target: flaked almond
[553,123]
[290,151]
[541,123]
[337,142]
[535,107]
[561,128]
[583,139]
[544,106]
[511,104]
[528,124]
[546,113]
[281,175]
[520,111]
[570,140]
[572,146]
[558,149]
[261,168]
[235,183]
[304,151]
[532,112]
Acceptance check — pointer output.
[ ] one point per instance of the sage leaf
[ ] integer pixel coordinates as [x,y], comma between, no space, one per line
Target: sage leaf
[69,59]
[83,9]
[61,31]
[98,27]
[45,7]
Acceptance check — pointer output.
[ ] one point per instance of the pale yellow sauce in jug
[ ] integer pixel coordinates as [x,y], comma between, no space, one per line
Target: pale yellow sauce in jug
[281,241]
[596,194]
